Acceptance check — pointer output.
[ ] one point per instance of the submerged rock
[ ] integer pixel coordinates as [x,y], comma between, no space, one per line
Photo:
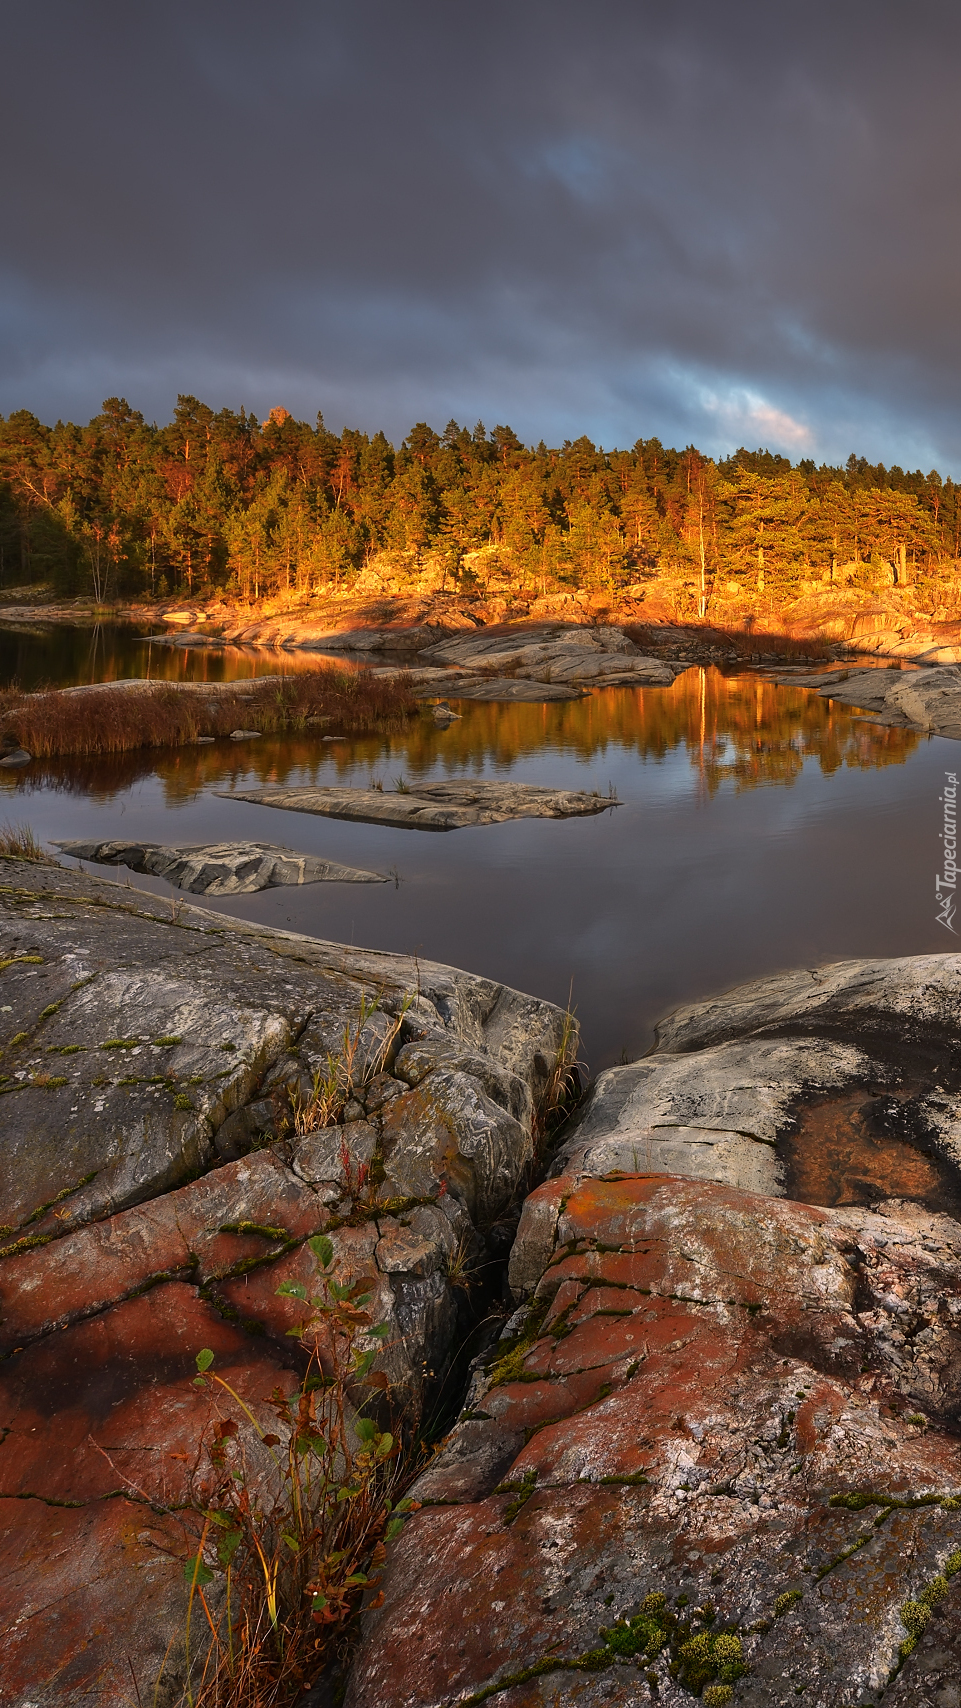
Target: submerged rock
[432,806]
[163,1162]
[220,868]
[443,715]
[715,1456]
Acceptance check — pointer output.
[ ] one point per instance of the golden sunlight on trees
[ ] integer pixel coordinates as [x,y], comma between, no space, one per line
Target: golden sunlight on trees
[219,501]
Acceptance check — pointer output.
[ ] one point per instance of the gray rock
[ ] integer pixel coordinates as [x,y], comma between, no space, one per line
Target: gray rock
[715,1115]
[220,868]
[557,654]
[335,1154]
[136,1038]
[727,1077]
[504,689]
[244,734]
[13,761]
[432,806]
[244,1130]
[911,999]
[928,698]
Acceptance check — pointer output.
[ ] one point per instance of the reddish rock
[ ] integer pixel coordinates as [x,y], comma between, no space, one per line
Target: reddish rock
[101,1430]
[193,1233]
[712,1397]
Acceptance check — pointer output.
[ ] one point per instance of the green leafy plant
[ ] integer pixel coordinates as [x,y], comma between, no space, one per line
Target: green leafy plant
[293,1532]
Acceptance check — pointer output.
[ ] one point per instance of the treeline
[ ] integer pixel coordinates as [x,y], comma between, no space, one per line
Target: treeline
[219,501]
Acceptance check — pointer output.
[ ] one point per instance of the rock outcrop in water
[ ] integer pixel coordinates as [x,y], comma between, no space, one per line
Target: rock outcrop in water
[431,806]
[558,654]
[927,699]
[220,868]
[156,1189]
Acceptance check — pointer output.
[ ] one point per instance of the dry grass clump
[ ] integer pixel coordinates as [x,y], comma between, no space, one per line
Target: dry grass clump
[118,720]
[295,1517]
[18,842]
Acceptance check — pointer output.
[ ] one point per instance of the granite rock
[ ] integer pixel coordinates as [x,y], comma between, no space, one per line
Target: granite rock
[432,806]
[219,868]
[159,1183]
[556,653]
[716,1452]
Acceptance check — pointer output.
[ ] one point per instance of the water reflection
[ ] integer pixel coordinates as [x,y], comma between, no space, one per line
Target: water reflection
[734,729]
[64,655]
[712,871]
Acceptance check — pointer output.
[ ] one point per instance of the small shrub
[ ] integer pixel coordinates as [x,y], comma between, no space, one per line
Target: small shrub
[786,1601]
[934,1592]
[293,1533]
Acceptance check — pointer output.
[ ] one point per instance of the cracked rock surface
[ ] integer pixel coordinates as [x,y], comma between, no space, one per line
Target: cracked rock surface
[220,868]
[155,1191]
[715,1450]
[556,653]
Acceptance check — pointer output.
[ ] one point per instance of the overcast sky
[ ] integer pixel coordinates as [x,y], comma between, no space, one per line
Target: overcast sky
[724,222]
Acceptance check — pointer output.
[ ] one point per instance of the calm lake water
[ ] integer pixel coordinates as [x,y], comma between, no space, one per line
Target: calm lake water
[761,828]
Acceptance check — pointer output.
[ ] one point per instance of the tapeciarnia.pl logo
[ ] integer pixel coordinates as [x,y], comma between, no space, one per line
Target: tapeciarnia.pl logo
[946,885]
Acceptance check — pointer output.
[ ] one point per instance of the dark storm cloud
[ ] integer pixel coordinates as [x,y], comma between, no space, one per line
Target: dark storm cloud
[719,222]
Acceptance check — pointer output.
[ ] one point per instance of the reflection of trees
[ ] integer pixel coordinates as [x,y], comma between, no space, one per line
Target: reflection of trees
[753,732]
[36,655]
[735,729]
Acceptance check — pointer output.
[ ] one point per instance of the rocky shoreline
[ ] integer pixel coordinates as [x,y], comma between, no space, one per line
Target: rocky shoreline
[715,1452]
[155,1195]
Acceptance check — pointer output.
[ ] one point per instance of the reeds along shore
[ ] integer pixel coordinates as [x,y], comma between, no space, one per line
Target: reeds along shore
[118,720]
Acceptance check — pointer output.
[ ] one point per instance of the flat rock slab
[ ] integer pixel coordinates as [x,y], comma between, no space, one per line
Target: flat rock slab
[432,806]
[715,1456]
[427,681]
[721,1095]
[505,689]
[144,1046]
[220,868]
[603,657]
[241,690]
